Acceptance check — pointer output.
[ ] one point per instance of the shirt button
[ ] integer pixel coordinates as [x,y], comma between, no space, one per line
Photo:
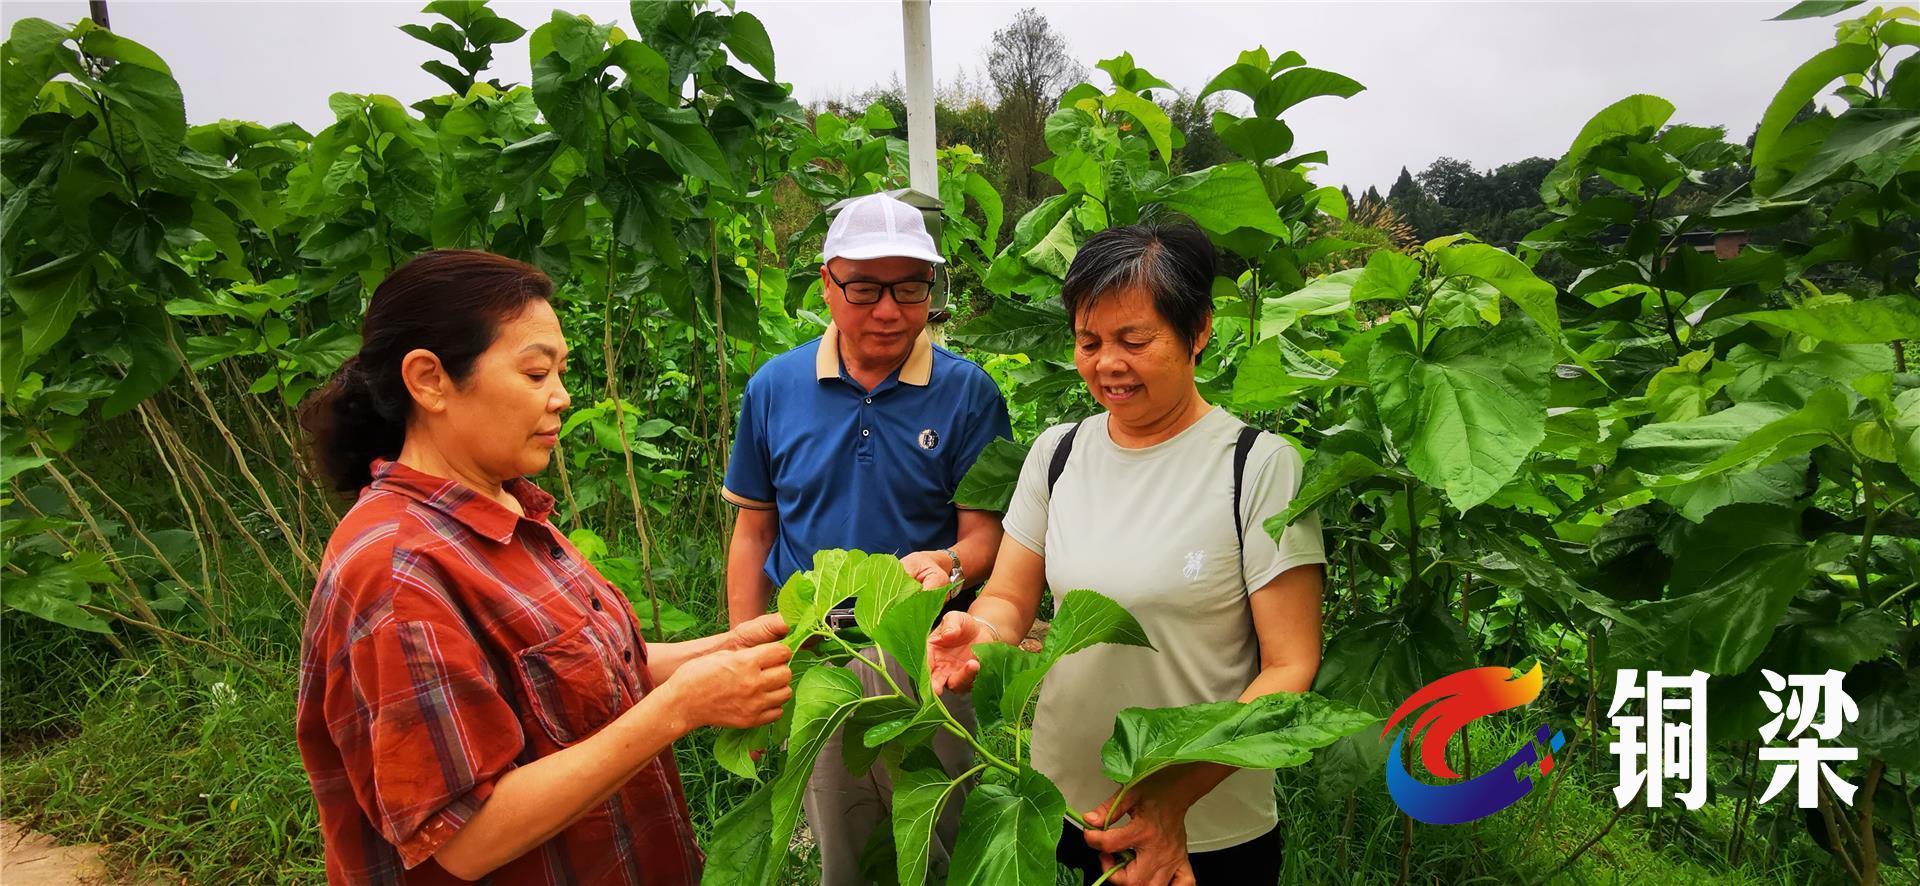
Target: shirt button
[596,602]
[864,432]
[869,401]
[626,655]
[555,552]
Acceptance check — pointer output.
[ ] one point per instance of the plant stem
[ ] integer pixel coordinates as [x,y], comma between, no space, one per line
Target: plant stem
[133,526]
[259,420]
[240,459]
[1111,871]
[952,725]
[1593,714]
[198,472]
[1406,848]
[721,364]
[1673,332]
[827,632]
[620,430]
[566,484]
[1894,504]
[1861,561]
[1253,306]
[1888,603]
[976,770]
[107,554]
[106,117]
[1869,851]
[1546,815]
[172,635]
[207,569]
[701,431]
[1596,838]
[1413,542]
[25,502]
[1743,810]
[1839,833]
[1346,828]
[1654,264]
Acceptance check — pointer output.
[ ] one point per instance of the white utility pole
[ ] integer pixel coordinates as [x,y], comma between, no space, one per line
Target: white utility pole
[916,19]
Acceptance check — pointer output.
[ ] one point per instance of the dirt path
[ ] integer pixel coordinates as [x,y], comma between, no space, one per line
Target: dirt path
[32,859]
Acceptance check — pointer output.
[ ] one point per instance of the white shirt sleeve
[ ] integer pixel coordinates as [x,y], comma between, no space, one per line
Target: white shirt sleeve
[1268,488]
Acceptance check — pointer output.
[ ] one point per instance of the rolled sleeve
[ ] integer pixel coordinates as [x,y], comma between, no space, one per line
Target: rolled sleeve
[422,723]
[749,480]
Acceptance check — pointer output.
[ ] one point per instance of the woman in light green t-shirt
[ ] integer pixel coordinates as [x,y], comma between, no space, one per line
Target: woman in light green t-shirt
[1142,509]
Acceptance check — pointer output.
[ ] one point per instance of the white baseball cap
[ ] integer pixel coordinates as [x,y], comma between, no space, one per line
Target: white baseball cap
[879,226]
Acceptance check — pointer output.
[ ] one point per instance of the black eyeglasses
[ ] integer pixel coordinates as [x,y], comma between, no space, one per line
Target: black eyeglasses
[866,292]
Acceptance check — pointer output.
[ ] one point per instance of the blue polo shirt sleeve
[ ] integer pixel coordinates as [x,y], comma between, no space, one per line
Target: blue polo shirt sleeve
[749,482]
[986,419]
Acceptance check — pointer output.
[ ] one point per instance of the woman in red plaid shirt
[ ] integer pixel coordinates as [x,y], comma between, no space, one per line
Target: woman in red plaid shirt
[475,699]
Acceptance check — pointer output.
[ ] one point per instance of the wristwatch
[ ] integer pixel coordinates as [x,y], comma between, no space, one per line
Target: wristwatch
[955,574]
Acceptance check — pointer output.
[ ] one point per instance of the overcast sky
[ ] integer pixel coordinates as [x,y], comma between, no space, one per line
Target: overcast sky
[1485,82]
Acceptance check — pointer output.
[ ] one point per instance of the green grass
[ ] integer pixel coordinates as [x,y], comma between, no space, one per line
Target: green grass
[186,767]
[185,764]
[184,770]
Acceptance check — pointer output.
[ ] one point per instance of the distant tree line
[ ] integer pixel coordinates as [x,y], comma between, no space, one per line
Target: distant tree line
[1001,111]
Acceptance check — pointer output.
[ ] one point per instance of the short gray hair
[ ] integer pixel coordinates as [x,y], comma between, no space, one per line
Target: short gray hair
[1173,263]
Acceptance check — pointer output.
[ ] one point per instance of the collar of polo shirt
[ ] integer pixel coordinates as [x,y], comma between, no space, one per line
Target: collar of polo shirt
[917,371]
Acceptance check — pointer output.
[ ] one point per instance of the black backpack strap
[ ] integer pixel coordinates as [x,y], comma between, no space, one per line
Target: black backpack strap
[1242,448]
[1058,464]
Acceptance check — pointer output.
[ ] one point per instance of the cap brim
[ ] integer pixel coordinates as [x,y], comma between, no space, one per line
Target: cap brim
[887,251]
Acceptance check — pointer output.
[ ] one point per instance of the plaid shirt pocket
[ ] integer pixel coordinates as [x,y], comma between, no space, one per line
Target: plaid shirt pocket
[572,689]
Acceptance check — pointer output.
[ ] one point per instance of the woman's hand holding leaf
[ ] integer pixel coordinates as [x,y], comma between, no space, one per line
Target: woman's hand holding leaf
[764,629]
[736,689]
[1155,831]
[950,652]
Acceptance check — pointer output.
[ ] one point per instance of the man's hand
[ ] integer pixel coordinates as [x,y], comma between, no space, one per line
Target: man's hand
[1156,831]
[755,631]
[929,568]
[950,652]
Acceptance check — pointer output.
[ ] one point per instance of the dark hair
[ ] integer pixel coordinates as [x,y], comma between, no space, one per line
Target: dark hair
[450,302]
[1173,263]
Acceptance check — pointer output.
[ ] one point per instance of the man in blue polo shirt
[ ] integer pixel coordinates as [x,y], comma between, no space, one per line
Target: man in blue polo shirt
[858,440]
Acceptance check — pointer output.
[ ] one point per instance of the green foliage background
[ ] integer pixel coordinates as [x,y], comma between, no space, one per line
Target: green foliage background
[1649,457]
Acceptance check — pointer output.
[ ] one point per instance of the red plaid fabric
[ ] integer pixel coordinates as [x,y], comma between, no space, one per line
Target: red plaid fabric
[450,640]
